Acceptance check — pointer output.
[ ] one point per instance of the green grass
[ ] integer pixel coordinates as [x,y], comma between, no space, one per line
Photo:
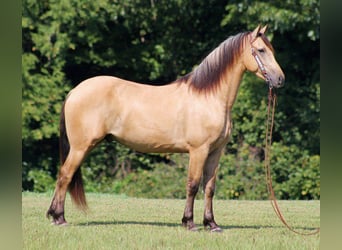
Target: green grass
[117,222]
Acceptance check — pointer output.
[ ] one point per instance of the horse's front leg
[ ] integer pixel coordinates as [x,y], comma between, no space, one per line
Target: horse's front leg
[196,163]
[209,178]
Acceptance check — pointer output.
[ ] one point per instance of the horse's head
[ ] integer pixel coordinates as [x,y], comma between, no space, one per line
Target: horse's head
[259,58]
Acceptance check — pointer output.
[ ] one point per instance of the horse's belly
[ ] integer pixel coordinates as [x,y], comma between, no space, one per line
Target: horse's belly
[146,145]
[148,137]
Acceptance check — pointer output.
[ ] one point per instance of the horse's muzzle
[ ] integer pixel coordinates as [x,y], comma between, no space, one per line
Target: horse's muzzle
[277,82]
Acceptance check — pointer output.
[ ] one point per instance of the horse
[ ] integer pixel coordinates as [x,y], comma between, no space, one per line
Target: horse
[189,115]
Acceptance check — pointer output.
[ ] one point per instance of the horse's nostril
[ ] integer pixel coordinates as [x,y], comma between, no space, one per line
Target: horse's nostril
[281,79]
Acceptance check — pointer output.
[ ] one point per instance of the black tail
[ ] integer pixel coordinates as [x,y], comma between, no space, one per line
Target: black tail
[76,189]
[64,145]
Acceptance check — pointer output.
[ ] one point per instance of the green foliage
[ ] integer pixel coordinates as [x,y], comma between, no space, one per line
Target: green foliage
[162,181]
[65,42]
[241,176]
[42,180]
[297,173]
[110,161]
[283,15]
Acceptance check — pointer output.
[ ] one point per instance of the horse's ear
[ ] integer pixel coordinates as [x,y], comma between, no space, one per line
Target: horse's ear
[263,29]
[255,32]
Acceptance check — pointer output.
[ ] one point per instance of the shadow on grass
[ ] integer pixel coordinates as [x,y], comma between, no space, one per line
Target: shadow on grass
[165,224]
[105,223]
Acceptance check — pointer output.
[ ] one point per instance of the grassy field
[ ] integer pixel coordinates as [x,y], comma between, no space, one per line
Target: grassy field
[117,222]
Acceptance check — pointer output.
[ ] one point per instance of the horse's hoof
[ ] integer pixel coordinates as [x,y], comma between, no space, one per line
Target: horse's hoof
[56,223]
[59,221]
[189,225]
[216,230]
[193,229]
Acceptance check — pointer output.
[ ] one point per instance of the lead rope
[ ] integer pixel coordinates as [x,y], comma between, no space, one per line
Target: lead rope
[272,98]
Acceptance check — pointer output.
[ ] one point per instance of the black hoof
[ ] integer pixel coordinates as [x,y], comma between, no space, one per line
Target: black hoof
[189,225]
[212,226]
[57,218]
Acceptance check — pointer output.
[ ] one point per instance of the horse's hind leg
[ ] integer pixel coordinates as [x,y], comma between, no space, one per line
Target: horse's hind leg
[65,176]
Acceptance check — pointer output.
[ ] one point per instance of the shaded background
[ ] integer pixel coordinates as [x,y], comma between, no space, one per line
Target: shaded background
[11,90]
[155,42]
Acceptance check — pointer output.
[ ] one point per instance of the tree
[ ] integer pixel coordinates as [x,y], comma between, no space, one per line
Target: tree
[155,42]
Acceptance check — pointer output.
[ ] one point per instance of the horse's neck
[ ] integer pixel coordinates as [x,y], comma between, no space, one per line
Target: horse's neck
[230,85]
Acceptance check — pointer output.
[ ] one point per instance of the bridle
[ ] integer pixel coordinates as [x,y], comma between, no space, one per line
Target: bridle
[260,64]
[272,99]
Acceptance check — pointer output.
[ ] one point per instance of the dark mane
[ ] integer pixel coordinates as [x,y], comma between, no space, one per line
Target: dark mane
[207,76]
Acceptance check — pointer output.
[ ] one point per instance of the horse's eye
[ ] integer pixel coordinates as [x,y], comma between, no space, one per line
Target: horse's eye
[261,50]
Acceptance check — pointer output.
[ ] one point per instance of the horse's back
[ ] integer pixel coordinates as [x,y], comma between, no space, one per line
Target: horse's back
[99,84]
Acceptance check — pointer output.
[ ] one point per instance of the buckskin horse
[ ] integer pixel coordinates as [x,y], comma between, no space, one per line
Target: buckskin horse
[190,115]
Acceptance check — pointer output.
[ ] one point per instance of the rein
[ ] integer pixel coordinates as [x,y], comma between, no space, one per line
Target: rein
[272,98]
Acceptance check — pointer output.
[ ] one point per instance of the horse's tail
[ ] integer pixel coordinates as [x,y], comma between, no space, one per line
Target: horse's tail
[76,189]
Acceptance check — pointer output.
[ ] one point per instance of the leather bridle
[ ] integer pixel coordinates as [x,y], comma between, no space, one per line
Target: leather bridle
[260,63]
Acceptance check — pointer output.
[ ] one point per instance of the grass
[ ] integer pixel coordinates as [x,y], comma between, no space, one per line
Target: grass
[117,222]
